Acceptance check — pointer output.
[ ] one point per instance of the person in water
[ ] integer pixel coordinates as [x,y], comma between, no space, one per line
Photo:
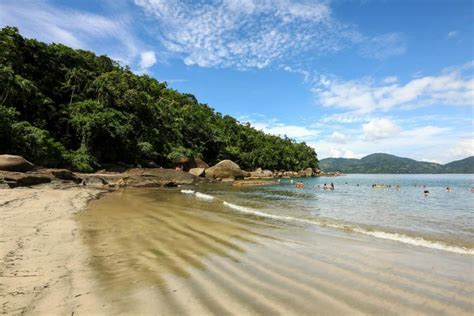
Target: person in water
[448,189]
[332,186]
[426,192]
[325,186]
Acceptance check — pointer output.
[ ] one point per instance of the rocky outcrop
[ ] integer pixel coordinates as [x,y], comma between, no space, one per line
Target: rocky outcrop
[226,169]
[261,174]
[20,179]
[161,174]
[198,172]
[64,174]
[253,183]
[15,163]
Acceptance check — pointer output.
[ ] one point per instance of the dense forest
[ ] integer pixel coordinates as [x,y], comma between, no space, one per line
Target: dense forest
[65,107]
[385,163]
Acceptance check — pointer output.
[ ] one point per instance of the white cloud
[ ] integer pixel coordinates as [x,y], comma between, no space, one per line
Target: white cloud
[147,59]
[337,137]
[78,29]
[453,87]
[257,33]
[292,131]
[380,128]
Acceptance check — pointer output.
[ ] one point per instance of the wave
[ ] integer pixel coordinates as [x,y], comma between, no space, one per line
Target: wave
[203,196]
[187,191]
[411,240]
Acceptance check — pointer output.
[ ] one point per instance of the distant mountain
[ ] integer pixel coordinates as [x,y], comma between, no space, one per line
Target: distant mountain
[465,165]
[385,163]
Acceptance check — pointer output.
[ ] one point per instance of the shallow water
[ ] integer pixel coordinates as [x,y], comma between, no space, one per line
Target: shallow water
[442,219]
[172,252]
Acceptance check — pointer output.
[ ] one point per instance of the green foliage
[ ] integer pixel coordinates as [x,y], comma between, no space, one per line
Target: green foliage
[37,145]
[80,160]
[7,119]
[83,110]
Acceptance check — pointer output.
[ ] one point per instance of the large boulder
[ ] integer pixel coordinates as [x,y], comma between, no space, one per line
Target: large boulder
[201,163]
[15,163]
[198,172]
[226,169]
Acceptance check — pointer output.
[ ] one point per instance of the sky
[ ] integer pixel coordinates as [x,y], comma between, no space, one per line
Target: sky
[348,77]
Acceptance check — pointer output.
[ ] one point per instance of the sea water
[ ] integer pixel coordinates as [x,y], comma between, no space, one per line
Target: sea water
[397,208]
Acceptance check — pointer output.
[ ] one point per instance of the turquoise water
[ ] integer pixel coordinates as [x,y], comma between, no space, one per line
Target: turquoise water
[441,219]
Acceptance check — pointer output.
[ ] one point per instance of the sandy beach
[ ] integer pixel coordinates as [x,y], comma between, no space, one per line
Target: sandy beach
[42,259]
[149,252]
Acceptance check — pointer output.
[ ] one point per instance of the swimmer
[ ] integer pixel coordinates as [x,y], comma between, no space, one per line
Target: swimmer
[332,186]
[426,192]
[448,189]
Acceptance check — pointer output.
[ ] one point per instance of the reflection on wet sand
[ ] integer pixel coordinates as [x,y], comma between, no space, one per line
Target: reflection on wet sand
[161,252]
[141,237]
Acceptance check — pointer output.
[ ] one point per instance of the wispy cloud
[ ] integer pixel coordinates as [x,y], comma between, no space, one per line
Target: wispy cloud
[105,34]
[258,34]
[454,86]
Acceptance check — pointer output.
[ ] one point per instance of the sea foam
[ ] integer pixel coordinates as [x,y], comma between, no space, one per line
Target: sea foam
[414,241]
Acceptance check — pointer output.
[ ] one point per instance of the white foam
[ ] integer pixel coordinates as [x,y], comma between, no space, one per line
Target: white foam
[415,241]
[187,191]
[203,196]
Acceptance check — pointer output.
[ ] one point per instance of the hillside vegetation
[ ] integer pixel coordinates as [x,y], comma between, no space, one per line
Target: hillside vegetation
[384,163]
[66,107]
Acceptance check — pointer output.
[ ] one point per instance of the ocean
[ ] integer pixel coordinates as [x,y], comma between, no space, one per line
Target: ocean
[277,250]
[396,209]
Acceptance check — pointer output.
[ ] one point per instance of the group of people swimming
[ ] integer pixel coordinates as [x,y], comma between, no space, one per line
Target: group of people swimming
[300,185]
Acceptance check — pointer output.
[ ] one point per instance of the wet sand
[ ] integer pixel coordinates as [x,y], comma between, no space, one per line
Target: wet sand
[150,252]
[168,253]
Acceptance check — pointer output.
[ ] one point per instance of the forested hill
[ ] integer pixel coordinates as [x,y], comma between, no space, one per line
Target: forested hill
[66,107]
[384,163]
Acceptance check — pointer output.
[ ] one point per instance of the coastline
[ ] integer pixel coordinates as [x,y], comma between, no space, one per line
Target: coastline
[162,251]
[42,257]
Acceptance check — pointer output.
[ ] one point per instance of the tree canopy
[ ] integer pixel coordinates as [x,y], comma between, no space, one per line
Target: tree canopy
[65,107]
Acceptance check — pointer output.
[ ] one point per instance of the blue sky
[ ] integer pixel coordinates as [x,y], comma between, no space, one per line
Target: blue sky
[348,77]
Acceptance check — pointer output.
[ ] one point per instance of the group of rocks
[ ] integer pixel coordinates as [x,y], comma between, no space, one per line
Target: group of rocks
[16,171]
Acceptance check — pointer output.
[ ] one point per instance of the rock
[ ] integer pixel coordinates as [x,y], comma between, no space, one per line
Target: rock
[93,180]
[308,172]
[161,174]
[20,179]
[259,173]
[185,163]
[15,163]
[64,174]
[198,172]
[226,169]
[201,163]
[253,183]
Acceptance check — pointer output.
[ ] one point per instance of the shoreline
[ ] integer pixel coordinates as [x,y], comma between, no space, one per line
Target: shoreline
[115,253]
[42,257]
